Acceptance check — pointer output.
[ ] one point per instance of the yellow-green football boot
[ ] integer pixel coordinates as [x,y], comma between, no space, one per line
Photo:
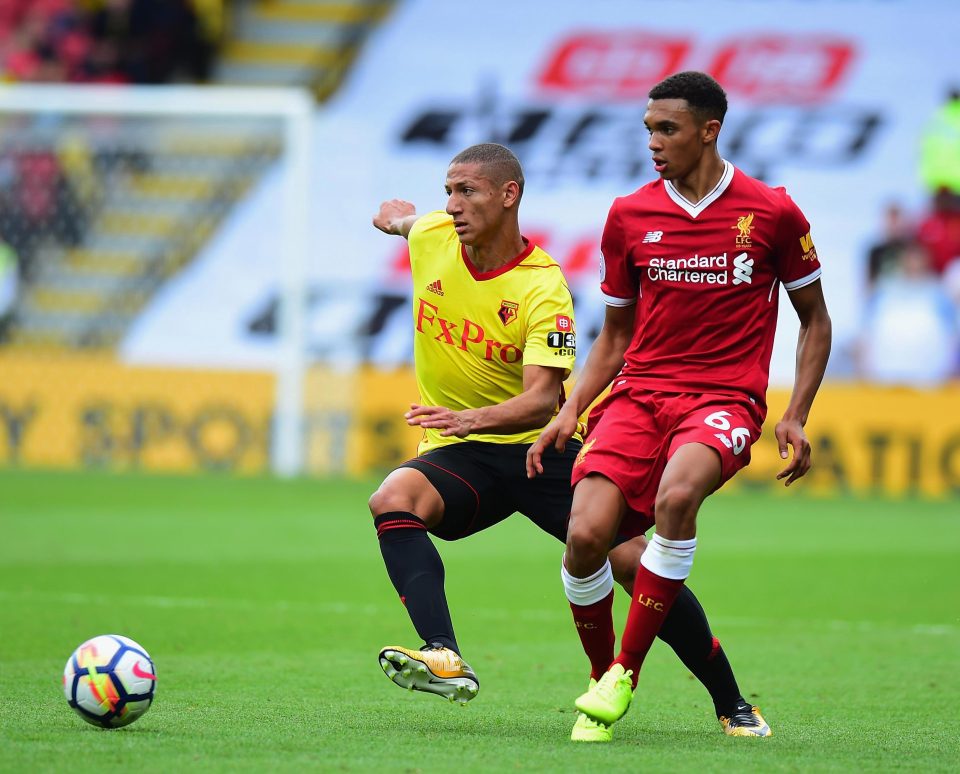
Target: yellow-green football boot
[608,700]
[587,729]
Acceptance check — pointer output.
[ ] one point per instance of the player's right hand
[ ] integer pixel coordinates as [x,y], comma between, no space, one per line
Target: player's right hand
[392,214]
[557,433]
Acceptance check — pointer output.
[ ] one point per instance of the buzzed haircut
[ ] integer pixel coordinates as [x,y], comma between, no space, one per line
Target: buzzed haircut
[706,98]
[498,162]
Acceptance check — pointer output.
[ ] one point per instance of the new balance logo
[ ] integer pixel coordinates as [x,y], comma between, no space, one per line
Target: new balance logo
[742,269]
[653,236]
[435,287]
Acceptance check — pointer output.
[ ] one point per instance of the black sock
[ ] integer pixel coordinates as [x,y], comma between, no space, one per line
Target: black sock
[687,631]
[416,570]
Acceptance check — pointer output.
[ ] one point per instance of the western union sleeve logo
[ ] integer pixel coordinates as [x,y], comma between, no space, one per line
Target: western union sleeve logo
[809,251]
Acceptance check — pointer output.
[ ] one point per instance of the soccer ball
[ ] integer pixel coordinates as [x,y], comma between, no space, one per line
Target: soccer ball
[109,680]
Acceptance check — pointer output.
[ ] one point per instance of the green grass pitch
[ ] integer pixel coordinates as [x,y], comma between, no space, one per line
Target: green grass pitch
[264,604]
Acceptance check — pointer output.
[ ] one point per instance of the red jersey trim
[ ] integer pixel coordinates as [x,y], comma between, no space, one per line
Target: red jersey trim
[485,275]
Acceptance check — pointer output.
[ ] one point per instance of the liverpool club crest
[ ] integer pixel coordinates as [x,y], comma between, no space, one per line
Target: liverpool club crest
[744,226]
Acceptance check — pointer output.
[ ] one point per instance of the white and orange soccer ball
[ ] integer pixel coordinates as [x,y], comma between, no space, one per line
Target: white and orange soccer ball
[110,681]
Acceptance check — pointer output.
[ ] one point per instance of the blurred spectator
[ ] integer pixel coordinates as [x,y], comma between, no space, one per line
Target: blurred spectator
[113,41]
[910,333]
[44,40]
[36,201]
[884,255]
[939,231]
[9,285]
[951,283]
[150,41]
[940,150]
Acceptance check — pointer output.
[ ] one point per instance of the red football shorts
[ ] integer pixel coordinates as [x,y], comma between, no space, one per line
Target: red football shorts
[633,432]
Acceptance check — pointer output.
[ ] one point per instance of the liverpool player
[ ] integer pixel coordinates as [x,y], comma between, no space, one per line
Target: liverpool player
[692,265]
[493,341]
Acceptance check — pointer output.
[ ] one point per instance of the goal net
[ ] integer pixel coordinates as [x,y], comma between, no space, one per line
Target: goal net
[107,196]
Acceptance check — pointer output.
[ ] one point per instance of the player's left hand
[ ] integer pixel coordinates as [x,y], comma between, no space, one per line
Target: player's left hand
[449,422]
[790,433]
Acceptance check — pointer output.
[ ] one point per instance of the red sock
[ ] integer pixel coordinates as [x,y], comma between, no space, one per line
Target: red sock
[595,627]
[652,598]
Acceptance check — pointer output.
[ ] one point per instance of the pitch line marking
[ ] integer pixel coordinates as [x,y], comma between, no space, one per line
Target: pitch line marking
[344,608]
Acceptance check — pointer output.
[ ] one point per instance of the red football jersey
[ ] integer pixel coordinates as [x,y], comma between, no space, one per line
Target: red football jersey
[705,280]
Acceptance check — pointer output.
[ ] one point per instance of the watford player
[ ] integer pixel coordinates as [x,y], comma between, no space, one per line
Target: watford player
[494,339]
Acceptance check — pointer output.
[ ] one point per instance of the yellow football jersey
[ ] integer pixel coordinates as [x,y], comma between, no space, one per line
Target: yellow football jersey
[474,332]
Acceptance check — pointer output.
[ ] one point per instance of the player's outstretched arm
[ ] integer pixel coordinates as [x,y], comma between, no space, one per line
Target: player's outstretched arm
[813,351]
[529,410]
[396,216]
[603,363]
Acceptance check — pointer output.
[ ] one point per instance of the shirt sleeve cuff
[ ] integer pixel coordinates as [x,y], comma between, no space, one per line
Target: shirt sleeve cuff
[803,281]
[614,301]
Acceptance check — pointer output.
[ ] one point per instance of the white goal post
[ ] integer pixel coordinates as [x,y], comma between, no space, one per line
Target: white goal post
[294,109]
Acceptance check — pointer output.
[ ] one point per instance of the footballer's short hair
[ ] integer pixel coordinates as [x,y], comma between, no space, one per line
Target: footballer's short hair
[497,161]
[706,98]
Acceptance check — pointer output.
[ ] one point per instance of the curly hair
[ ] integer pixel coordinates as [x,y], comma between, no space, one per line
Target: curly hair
[706,98]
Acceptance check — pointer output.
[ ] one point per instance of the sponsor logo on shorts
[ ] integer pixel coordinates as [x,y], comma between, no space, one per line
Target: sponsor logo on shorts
[584,450]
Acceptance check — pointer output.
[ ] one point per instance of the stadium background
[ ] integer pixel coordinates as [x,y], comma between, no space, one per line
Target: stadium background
[145,329]
[147,353]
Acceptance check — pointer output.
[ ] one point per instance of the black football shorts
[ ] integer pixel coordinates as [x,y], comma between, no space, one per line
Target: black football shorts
[483,483]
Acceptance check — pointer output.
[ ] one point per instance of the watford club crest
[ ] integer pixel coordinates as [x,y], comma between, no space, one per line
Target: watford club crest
[508,312]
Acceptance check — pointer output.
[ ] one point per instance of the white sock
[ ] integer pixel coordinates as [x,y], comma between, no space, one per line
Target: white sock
[593,588]
[669,558]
